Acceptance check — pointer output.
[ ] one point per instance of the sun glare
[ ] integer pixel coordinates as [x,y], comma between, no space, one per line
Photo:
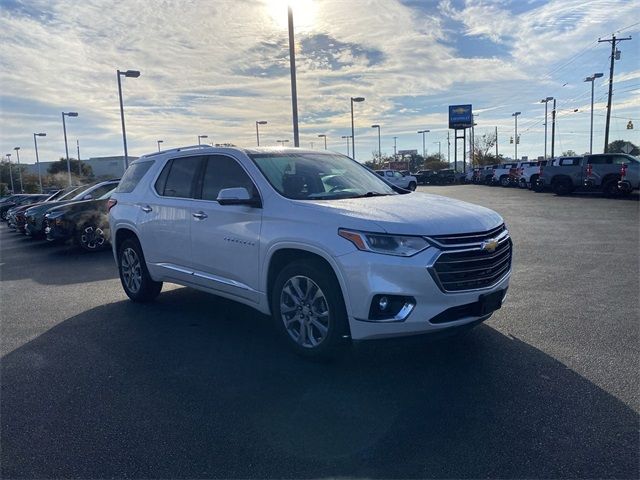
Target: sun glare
[303,13]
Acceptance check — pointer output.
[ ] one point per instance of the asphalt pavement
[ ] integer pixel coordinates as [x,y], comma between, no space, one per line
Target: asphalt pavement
[194,386]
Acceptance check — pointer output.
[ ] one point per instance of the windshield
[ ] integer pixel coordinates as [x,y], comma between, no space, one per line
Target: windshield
[314,176]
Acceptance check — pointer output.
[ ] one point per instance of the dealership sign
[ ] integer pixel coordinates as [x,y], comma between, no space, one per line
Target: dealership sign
[460,116]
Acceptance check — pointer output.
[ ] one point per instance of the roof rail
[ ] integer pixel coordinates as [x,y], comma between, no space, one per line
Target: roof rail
[178,149]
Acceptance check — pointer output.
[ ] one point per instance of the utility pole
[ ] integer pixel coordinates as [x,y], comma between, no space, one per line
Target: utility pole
[448,149]
[515,138]
[496,143]
[79,165]
[395,149]
[553,129]
[294,87]
[615,55]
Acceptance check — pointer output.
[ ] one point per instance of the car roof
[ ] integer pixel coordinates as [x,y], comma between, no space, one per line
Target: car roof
[208,149]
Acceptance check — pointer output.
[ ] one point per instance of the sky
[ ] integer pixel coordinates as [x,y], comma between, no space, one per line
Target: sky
[216,67]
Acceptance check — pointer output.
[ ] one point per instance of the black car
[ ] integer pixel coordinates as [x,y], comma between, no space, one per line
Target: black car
[86,222]
[423,176]
[16,216]
[443,177]
[15,200]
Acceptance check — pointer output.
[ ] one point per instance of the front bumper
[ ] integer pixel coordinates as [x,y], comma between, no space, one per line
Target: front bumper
[55,232]
[368,274]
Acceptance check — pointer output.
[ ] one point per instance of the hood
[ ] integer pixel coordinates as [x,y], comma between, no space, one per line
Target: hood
[410,214]
[41,208]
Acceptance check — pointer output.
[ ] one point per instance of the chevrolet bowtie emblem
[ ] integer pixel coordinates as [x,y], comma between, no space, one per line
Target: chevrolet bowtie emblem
[489,245]
[459,110]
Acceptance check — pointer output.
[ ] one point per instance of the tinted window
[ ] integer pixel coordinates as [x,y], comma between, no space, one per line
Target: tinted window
[620,159]
[180,174]
[100,191]
[223,172]
[132,176]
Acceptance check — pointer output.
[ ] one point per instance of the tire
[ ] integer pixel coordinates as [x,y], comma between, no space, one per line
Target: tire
[134,276]
[91,238]
[504,181]
[3,216]
[610,189]
[562,186]
[316,329]
[412,186]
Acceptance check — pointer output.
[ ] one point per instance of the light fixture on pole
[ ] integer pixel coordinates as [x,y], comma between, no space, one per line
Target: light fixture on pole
[592,79]
[294,88]
[159,142]
[200,137]
[379,145]
[545,101]
[322,135]
[347,137]
[515,139]
[8,155]
[353,138]
[424,151]
[66,147]
[128,74]
[35,143]
[259,122]
[282,142]
[17,149]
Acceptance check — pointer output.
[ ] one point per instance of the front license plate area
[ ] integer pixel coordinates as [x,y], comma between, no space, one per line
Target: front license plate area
[490,302]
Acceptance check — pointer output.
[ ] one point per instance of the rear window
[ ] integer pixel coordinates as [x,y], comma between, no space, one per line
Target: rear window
[132,176]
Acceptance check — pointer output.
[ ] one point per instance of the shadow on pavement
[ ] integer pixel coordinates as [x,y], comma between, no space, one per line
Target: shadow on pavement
[196,386]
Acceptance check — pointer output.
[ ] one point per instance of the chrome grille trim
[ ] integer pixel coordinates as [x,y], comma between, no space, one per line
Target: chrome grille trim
[468,239]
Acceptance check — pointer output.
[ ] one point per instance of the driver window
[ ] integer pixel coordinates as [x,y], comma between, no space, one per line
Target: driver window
[397,174]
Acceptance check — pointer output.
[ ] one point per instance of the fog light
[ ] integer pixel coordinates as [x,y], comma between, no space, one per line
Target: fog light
[383,303]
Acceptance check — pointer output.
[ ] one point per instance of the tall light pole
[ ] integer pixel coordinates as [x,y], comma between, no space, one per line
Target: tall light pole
[35,143]
[78,151]
[159,142]
[17,149]
[591,79]
[129,74]
[353,133]
[553,129]
[201,137]
[379,145]
[424,150]
[347,137]
[395,147]
[259,122]
[545,101]
[515,139]
[322,135]
[294,88]
[8,155]
[66,146]
[439,148]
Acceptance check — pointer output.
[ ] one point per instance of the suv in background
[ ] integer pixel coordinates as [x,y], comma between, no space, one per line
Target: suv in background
[408,182]
[314,239]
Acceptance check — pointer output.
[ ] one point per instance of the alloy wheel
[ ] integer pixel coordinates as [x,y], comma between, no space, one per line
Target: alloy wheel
[131,269]
[305,312]
[92,238]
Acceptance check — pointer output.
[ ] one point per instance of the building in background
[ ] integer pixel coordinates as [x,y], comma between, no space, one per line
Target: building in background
[102,167]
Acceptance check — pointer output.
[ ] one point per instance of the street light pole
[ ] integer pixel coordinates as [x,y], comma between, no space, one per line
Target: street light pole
[545,101]
[515,140]
[8,155]
[379,145]
[439,148]
[130,74]
[347,137]
[395,150]
[592,79]
[553,128]
[259,122]
[159,142]
[294,88]
[78,150]
[17,149]
[35,142]
[66,146]
[353,133]
[424,150]
[322,135]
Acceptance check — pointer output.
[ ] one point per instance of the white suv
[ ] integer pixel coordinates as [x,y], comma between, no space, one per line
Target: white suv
[408,182]
[314,239]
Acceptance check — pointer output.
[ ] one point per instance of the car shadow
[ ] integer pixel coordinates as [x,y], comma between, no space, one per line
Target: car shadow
[196,386]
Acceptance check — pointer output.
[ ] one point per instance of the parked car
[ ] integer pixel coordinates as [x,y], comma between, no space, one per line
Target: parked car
[485,175]
[599,172]
[34,226]
[17,218]
[445,176]
[408,182]
[629,179]
[527,170]
[260,226]
[85,222]
[422,176]
[504,174]
[32,199]
[14,201]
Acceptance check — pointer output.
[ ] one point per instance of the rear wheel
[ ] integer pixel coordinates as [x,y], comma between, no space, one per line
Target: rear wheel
[134,276]
[308,310]
[610,188]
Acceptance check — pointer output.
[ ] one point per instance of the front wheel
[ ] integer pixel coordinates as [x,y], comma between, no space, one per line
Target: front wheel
[610,189]
[308,310]
[134,276]
[562,186]
[412,186]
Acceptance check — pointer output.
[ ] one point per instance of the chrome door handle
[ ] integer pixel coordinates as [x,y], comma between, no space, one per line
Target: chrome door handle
[146,209]
[200,215]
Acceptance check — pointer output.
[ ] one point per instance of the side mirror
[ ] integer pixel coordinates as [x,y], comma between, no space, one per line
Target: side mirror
[237,196]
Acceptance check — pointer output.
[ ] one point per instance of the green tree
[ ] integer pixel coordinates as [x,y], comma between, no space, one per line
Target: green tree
[616,147]
[482,154]
[569,153]
[61,167]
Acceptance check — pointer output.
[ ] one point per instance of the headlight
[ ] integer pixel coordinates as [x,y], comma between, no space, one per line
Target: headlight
[53,215]
[400,245]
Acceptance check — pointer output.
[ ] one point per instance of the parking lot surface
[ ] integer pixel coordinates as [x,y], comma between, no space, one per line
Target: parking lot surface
[195,386]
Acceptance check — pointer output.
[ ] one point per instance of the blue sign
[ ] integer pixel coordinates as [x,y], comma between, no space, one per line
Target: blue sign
[460,116]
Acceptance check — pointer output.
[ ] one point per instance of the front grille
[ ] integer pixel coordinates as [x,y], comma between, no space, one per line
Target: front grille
[449,241]
[472,269]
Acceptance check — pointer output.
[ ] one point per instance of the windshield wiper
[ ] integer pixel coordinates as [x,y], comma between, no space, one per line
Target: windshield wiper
[372,194]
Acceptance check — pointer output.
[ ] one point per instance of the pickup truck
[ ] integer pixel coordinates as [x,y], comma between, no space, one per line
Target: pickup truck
[408,182]
[504,174]
[485,174]
[528,173]
[629,179]
[591,172]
